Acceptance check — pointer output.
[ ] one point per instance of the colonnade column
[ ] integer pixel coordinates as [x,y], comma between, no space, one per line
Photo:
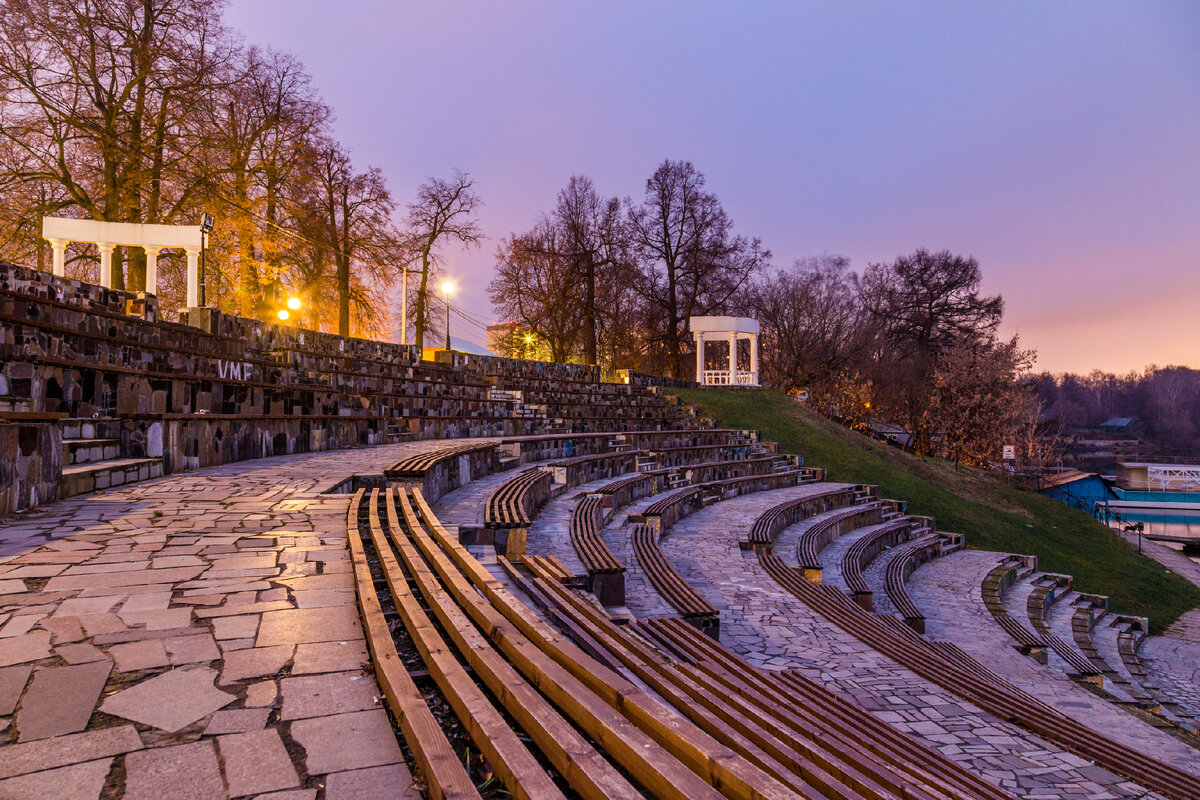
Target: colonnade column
[193,278]
[106,251]
[58,248]
[151,270]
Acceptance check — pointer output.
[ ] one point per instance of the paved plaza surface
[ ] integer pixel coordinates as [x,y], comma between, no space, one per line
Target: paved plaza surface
[201,631]
[195,636]
[774,629]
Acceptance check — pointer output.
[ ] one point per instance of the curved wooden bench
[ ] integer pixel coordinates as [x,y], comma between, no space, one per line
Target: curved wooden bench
[1036,606]
[768,524]
[814,741]
[896,574]
[651,742]
[626,490]
[670,584]
[606,573]
[441,470]
[971,681]
[585,469]
[821,534]
[515,502]
[682,456]
[416,466]
[864,550]
[1090,609]
[709,471]
[992,590]
[431,749]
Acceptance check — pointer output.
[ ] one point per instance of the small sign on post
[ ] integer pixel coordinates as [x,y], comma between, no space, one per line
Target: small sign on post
[1010,452]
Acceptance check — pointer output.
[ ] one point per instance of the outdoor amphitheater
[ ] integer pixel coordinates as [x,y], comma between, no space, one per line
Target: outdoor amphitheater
[244,560]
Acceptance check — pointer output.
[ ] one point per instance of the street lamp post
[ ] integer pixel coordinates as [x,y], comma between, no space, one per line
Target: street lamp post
[206,227]
[447,288]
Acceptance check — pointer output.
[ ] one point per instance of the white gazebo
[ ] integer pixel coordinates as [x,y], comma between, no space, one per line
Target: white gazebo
[107,236]
[725,329]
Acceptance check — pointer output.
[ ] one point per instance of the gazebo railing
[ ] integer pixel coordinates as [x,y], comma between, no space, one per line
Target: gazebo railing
[720,377]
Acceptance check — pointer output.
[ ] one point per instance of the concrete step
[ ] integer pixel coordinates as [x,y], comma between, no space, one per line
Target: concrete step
[84,478]
[86,451]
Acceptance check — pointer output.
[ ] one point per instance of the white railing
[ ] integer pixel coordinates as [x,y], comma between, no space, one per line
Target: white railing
[720,377]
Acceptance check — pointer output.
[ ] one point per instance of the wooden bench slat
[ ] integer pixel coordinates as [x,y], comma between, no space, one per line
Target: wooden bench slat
[431,749]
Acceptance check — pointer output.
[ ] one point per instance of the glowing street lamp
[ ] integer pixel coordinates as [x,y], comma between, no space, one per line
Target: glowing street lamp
[283,315]
[294,303]
[447,288]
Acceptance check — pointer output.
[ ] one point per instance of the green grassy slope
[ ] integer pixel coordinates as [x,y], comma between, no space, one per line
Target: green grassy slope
[993,514]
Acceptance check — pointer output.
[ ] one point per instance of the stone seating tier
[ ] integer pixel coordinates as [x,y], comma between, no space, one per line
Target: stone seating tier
[222,388]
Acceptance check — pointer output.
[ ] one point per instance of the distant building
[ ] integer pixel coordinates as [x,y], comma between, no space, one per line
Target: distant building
[1081,490]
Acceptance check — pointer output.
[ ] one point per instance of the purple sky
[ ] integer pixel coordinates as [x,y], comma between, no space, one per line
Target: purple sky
[1058,143]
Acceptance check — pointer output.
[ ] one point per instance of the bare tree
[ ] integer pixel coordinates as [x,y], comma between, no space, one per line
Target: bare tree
[97,101]
[691,261]
[537,288]
[812,323]
[443,212]
[350,214]
[259,129]
[923,304]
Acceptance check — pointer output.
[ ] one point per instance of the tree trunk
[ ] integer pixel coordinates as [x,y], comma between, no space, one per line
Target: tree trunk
[343,280]
[422,299]
[589,336]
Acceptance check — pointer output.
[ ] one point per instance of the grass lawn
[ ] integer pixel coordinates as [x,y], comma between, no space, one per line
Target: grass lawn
[994,514]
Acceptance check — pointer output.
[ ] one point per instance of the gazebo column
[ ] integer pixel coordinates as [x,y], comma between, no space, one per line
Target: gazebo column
[754,359]
[733,358]
[58,249]
[193,278]
[151,270]
[106,251]
[699,337]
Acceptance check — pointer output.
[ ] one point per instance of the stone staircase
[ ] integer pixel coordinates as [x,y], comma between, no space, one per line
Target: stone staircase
[514,398]
[92,458]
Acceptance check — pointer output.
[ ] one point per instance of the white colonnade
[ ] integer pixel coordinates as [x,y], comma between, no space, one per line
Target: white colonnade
[107,236]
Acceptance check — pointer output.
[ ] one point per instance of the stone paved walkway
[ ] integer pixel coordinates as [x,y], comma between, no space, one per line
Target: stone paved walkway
[1174,664]
[194,636]
[948,591]
[772,628]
